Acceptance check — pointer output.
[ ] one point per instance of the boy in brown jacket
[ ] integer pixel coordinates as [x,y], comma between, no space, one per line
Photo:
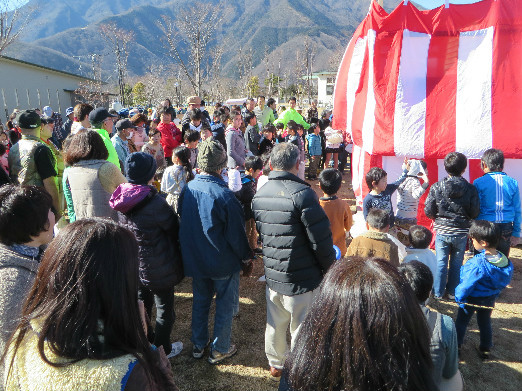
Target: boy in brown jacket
[375,242]
[337,210]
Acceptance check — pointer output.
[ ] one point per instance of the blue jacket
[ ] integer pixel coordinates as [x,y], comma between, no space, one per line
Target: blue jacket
[314,144]
[212,229]
[481,278]
[499,199]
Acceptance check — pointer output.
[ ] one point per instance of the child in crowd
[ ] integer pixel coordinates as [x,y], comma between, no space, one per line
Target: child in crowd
[409,193]
[499,199]
[191,142]
[205,132]
[267,143]
[295,138]
[158,176]
[337,210]
[452,202]
[381,192]
[153,147]
[253,167]
[280,130]
[170,135]
[218,125]
[146,214]
[315,151]
[177,176]
[375,242]
[195,116]
[482,278]
[263,179]
[420,238]
[252,137]
[334,138]
[443,344]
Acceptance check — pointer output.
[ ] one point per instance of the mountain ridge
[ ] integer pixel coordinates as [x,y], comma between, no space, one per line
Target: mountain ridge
[282,26]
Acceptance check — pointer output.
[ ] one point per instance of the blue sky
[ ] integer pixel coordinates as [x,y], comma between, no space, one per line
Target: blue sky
[430,4]
[13,3]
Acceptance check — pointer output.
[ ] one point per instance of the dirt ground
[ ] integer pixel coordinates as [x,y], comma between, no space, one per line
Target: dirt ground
[248,369]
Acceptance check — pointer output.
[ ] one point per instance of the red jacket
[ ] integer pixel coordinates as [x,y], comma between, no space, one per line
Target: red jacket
[170,137]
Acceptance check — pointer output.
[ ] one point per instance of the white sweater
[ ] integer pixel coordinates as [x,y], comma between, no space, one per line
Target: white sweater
[408,195]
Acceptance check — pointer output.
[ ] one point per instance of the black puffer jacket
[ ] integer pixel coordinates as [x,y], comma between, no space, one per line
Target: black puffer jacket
[156,227]
[296,235]
[452,202]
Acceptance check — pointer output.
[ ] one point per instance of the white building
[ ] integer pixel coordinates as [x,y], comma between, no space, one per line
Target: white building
[27,86]
[325,87]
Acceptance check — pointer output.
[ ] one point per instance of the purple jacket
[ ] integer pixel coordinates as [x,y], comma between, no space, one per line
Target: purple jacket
[146,213]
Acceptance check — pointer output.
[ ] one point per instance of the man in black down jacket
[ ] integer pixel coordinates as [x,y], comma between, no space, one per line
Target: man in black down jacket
[297,249]
[452,202]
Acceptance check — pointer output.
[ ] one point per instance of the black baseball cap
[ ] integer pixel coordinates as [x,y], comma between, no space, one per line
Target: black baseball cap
[124,124]
[29,119]
[97,116]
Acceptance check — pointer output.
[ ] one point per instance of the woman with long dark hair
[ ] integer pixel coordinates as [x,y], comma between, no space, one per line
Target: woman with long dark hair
[365,331]
[81,327]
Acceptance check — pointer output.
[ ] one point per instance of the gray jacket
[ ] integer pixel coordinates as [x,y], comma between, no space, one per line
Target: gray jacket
[236,150]
[17,274]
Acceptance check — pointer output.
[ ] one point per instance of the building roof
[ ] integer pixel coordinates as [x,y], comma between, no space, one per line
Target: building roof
[48,69]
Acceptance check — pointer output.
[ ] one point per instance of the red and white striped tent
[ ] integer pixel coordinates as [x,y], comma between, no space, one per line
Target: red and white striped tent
[425,83]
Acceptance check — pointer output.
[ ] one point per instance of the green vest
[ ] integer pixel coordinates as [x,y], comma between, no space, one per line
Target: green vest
[22,166]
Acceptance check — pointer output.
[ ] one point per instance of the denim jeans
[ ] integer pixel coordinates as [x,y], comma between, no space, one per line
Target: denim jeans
[504,244]
[165,314]
[448,248]
[227,293]
[483,320]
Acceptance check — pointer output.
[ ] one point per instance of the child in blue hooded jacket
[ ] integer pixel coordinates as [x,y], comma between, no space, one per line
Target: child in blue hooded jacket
[482,278]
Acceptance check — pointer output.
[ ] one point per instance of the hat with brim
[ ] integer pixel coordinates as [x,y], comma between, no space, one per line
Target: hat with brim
[97,116]
[29,119]
[123,124]
[193,100]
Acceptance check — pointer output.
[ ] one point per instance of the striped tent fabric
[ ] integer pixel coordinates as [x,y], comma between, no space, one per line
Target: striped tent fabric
[422,84]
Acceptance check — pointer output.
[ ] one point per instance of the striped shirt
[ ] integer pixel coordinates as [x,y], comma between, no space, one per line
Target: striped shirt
[408,195]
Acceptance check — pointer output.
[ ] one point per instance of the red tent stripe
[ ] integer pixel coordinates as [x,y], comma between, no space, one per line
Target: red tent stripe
[441,88]
[506,84]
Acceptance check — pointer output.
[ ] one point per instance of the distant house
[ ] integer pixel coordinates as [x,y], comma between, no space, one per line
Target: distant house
[25,85]
[325,87]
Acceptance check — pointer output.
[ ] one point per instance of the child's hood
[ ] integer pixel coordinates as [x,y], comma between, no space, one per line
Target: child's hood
[500,270]
[455,187]
[127,196]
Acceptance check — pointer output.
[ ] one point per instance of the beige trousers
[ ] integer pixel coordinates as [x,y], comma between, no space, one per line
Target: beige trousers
[283,311]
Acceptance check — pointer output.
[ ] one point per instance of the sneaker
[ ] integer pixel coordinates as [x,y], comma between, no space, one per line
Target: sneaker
[216,357]
[198,353]
[177,347]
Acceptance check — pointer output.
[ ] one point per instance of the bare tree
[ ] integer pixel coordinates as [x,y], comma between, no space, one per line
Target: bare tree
[309,52]
[91,91]
[118,39]
[195,25]
[13,20]
[245,67]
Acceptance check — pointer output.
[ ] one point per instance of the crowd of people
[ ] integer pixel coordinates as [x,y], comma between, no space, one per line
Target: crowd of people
[103,215]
